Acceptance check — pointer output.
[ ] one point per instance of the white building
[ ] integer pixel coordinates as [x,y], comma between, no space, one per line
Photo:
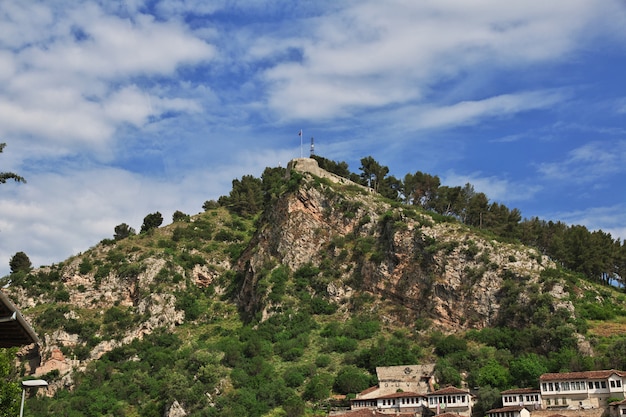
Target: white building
[525,397]
[581,390]
[451,400]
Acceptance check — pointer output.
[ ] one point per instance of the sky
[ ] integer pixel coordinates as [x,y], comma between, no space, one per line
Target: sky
[112,110]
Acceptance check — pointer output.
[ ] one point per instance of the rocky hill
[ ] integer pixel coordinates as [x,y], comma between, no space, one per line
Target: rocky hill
[325,246]
[431,268]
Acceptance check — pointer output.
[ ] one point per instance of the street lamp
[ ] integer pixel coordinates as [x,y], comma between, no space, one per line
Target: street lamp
[30,383]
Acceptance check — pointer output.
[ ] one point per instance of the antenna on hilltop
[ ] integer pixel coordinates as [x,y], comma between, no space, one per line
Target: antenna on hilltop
[312,147]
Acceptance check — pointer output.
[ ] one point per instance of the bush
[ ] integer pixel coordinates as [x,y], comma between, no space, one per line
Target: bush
[189,304]
[122,231]
[449,344]
[20,262]
[340,344]
[322,361]
[293,377]
[318,387]
[151,221]
[85,266]
[351,379]
[321,306]
[179,216]
[117,318]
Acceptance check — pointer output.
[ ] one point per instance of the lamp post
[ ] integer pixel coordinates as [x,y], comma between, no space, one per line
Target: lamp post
[30,383]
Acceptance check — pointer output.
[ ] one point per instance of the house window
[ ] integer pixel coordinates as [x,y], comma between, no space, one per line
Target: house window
[603,384]
[565,386]
[551,386]
[544,386]
[590,385]
[548,401]
[597,384]
[618,383]
[623,411]
[612,383]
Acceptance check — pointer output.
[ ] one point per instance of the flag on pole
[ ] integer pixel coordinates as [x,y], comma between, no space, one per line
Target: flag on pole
[300,132]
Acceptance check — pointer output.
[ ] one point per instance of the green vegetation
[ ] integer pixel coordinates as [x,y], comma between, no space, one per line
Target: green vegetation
[283,347]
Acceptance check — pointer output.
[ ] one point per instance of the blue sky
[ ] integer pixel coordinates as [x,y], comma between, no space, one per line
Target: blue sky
[114,110]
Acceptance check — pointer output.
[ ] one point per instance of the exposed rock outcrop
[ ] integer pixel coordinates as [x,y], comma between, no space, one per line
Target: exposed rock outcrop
[438,270]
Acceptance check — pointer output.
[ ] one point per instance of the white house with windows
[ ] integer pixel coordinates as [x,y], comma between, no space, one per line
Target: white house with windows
[401,389]
[525,397]
[451,400]
[581,390]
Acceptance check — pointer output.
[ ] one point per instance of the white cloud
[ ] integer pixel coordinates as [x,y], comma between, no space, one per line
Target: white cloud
[468,112]
[588,162]
[371,56]
[610,219]
[72,79]
[495,188]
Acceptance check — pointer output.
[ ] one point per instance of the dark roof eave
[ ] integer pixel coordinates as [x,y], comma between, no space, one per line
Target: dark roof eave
[14,319]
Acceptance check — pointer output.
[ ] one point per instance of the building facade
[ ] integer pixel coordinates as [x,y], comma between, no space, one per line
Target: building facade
[451,400]
[581,390]
[525,397]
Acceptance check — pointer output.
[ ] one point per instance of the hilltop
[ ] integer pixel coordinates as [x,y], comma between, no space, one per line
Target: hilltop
[254,312]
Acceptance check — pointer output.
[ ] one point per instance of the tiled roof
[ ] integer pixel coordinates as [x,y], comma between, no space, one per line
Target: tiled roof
[374,413]
[402,395]
[506,409]
[581,375]
[14,330]
[521,391]
[448,390]
[367,391]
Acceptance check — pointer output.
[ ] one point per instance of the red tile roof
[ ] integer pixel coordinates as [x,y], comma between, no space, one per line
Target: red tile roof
[581,375]
[367,391]
[402,395]
[448,390]
[506,409]
[521,391]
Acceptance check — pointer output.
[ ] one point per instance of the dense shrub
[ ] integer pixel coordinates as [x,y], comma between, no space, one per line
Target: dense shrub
[351,379]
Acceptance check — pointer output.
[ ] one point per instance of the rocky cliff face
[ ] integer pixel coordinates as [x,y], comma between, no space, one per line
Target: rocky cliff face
[415,266]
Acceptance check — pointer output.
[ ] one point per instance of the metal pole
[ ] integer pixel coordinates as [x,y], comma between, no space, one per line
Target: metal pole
[22,406]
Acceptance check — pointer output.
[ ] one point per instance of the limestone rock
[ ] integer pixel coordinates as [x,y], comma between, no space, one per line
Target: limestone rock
[175,410]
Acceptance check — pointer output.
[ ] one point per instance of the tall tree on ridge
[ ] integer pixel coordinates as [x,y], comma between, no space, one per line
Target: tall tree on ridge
[4,176]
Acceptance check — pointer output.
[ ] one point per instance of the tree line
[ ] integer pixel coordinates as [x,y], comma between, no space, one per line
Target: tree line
[596,254]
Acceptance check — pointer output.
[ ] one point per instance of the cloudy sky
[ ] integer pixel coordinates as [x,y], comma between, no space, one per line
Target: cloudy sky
[113,110]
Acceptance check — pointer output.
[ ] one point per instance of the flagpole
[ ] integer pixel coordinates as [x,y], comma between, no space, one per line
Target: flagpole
[300,143]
